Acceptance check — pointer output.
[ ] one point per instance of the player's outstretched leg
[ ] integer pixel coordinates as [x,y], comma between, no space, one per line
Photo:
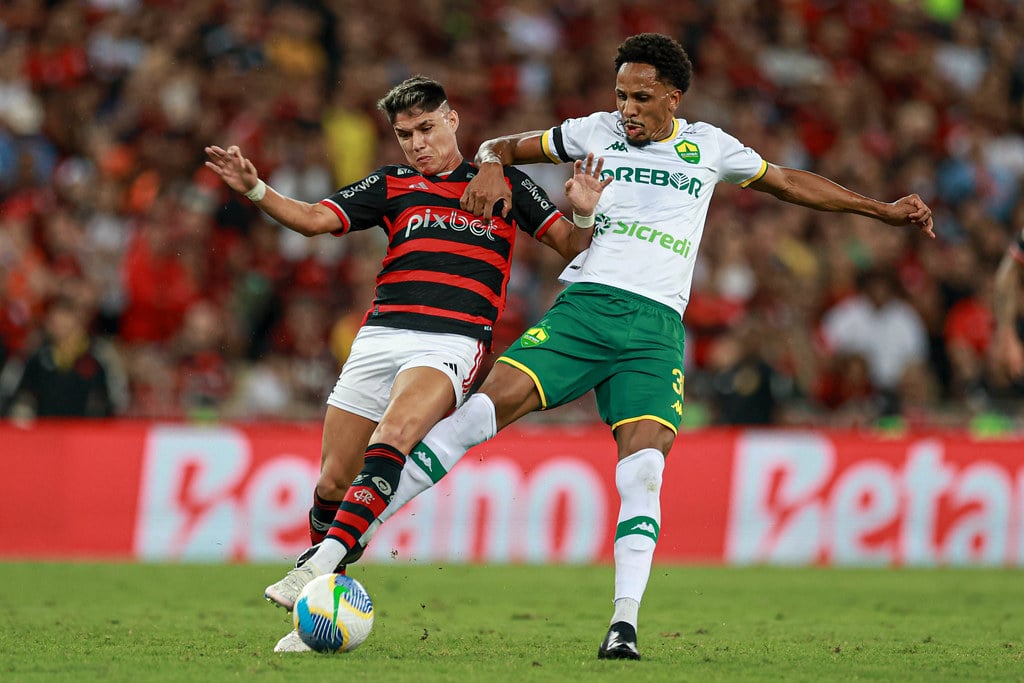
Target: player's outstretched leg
[433,457]
[369,494]
[620,643]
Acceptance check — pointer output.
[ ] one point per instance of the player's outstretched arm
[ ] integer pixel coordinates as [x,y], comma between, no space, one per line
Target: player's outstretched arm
[583,190]
[1007,347]
[817,192]
[489,186]
[240,175]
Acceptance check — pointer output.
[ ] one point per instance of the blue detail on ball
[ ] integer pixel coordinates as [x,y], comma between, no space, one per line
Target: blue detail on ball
[319,632]
[356,596]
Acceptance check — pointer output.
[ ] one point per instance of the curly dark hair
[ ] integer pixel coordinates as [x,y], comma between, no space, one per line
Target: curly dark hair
[665,54]
[415,95]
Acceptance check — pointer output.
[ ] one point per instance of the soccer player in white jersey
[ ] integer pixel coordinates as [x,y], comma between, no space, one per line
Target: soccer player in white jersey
[618,328]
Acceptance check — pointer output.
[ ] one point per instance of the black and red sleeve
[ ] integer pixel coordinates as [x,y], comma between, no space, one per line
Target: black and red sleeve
[360,205]
[532,210]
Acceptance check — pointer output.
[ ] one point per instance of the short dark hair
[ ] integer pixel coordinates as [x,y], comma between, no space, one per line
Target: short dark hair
[666,55]
[416,95]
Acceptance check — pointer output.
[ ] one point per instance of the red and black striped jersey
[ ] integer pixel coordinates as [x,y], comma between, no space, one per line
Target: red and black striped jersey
[445,270]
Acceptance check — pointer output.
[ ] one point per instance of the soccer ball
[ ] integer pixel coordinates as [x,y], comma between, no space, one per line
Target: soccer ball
[334,613]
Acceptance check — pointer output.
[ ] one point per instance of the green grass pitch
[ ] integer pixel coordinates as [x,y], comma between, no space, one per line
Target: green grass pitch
[136,622]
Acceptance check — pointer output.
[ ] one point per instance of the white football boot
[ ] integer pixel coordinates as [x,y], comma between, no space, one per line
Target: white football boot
[292,643]
[285,592]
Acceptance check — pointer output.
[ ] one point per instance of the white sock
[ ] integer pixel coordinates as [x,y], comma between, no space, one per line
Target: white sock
[414,481]
[627,610]
[638,479]
[326,558]
[473,423]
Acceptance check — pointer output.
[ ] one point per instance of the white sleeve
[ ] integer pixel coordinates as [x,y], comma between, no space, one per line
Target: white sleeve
[571,139]
[740,164]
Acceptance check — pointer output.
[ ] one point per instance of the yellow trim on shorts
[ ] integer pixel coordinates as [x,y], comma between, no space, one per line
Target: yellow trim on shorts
[545,146]
[519,366]
[645,417]
[758,175]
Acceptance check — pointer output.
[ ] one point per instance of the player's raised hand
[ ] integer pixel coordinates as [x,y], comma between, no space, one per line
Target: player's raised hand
[584,188]
[235,170]
[911,210]
[485,190]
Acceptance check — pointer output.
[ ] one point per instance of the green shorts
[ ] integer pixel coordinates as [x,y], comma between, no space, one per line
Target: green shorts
[626,347]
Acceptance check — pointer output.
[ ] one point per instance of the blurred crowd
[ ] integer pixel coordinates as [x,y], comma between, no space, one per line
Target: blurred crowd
[134,284]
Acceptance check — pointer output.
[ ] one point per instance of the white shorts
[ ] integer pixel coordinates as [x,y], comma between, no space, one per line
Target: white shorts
[379,353]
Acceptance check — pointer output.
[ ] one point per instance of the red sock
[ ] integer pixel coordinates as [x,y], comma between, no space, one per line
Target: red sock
[320,517]
[369,494]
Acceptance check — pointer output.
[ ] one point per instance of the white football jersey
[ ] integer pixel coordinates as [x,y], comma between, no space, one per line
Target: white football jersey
[650,219]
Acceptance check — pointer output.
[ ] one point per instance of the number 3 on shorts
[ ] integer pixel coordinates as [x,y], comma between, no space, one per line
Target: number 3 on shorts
[677,386]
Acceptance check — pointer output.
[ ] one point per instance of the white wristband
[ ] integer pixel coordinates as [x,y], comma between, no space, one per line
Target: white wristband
[583,221]
[257,192]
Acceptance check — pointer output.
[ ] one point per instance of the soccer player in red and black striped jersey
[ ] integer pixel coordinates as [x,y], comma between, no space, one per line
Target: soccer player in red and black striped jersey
[438,294]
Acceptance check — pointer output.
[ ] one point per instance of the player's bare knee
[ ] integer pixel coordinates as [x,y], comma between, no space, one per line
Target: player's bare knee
[402,433]
[512,392]
[637,436]
[329,488]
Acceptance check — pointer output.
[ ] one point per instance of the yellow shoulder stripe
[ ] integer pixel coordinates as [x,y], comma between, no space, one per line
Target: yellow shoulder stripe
[758,175]
[545,145]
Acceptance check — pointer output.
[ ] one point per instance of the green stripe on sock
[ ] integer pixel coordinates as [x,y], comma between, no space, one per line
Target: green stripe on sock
[643,526]
[428,462]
